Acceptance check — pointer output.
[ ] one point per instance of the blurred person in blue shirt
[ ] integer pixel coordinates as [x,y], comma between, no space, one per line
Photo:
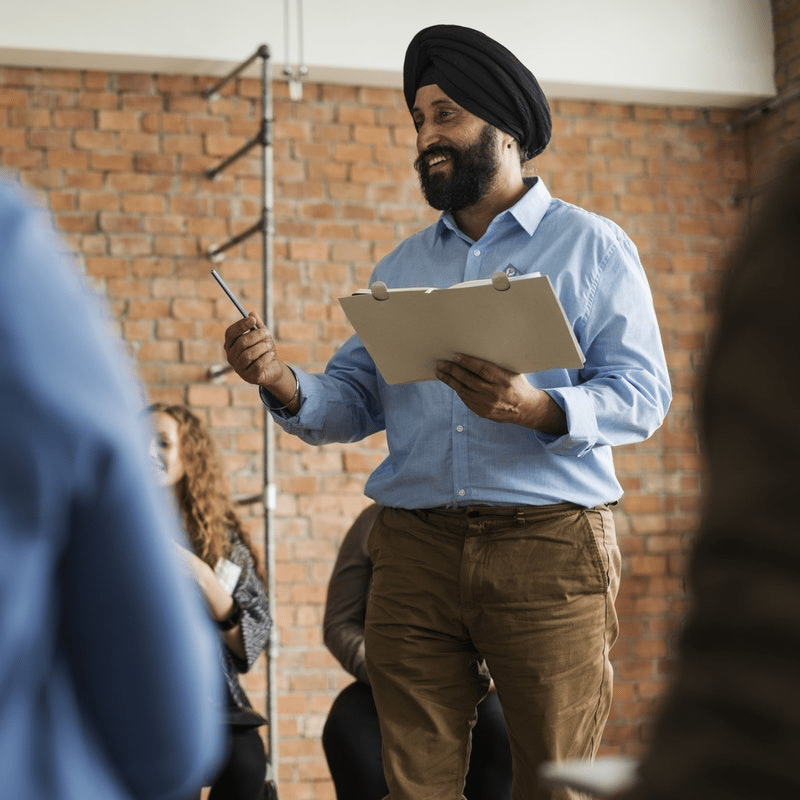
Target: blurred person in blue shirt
[110,685]
[496,541]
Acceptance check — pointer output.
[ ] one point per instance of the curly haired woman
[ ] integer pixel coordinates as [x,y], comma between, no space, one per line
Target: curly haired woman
[226,569]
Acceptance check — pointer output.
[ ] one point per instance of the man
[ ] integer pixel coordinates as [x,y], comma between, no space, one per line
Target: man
[108,680]
[496,540]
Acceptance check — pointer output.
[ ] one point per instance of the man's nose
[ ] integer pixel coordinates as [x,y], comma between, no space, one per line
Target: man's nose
[427,135]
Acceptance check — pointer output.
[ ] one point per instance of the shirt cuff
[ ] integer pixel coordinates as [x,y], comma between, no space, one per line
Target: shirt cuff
[582,433]
[273,406]
[311,405]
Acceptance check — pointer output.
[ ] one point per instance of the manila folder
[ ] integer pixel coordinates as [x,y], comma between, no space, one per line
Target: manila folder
[522,328]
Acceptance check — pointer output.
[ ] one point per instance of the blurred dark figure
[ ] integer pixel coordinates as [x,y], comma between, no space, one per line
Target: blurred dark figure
[730,727]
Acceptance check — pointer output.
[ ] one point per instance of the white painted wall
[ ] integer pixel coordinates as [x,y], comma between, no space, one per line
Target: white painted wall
[695,52]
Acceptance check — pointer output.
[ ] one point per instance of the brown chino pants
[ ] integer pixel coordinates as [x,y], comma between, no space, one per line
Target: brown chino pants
[531,590]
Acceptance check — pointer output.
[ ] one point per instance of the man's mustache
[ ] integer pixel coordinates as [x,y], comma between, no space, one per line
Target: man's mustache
[421,163]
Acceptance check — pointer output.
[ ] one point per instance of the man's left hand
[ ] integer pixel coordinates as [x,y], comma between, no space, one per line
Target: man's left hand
[495,393]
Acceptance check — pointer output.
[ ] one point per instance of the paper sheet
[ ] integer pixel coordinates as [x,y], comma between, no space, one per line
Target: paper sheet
[522,329]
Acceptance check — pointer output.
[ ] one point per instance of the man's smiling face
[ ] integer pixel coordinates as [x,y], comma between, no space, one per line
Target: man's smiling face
[458,152]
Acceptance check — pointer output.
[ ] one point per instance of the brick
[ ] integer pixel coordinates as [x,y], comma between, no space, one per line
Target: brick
[73,119]
[50,140]
[207,395]
[106,267]
[139,103]
[120,223]
[10,98]
[94,140]
[76,223]
[143,203]
[147,309]
[98,100]
[111,162]
[12,138]
[155,163]
[18,76]
[223,146]
[126,288]
[308,250]
[183,104]
[130,245]
[60,79]
[182,144]
[191,309]
[139,142]
[118,121]
[371,135]
[189,206]
[356,153]
[95,81]
[158,351]
[174,246]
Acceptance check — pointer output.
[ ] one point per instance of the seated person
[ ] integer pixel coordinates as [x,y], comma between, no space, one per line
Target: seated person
[351,737]
[224,565]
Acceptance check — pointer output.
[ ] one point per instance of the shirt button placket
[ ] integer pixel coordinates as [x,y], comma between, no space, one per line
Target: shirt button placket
[460,456]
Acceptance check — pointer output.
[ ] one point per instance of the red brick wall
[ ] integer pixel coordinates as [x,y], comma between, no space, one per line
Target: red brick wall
[773,135]
[119,159]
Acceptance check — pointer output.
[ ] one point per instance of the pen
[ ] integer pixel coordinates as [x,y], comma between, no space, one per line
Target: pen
[228,292]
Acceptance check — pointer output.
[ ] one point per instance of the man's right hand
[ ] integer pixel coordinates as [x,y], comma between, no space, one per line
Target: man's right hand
[251,352]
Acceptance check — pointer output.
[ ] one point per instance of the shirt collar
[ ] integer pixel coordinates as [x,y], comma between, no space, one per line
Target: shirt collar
[528,211]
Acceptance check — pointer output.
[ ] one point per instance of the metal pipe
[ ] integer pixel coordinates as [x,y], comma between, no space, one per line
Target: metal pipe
[265,226]
[287,69]
[215,251]
[216,371]
[294,77]
[262,52]
[301,56]
[250,499]
[212,172]
[752,192]
[761,111]
[268,230]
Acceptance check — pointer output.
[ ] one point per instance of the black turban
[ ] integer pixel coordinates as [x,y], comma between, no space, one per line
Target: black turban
[482,76]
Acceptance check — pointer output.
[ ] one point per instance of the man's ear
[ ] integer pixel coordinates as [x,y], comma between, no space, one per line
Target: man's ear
[511,144]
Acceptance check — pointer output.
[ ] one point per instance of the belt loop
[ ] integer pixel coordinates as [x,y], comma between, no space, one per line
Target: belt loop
[520,518]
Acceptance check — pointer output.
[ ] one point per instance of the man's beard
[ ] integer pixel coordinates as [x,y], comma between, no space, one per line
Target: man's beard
[470,174]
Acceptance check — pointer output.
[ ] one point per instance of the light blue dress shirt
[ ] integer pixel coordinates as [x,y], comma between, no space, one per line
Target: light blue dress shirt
[110,685]
[440,452]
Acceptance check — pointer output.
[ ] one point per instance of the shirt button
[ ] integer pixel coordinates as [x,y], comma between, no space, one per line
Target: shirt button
[460,428]
[476,252]
[461,492]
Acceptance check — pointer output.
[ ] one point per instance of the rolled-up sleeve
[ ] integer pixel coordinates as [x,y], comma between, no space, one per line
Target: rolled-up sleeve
[622,393]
